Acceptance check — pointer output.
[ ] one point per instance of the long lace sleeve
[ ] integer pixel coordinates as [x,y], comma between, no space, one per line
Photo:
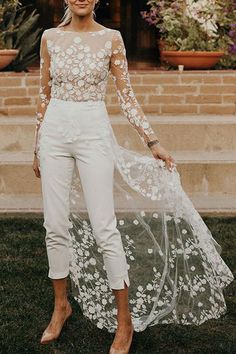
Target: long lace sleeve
[126,96]
[44,87]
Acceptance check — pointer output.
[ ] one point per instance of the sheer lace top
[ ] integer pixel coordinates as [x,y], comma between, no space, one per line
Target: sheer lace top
[76,65]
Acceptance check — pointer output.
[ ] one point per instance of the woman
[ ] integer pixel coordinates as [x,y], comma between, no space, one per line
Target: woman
[73,133]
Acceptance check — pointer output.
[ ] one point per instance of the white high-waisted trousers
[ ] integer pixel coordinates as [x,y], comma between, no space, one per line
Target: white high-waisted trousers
[76,135]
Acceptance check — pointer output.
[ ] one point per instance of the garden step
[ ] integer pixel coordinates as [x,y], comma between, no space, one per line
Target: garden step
[201,172]
[214,204]
[193,133]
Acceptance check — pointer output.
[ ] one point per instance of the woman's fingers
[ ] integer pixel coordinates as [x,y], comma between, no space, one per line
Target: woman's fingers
[170,162]
[37,172]
[36,169]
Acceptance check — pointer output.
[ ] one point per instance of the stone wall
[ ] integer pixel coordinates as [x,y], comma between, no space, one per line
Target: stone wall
[160,92]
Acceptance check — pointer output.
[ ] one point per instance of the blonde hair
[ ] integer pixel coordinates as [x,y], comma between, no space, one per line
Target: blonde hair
[66,19]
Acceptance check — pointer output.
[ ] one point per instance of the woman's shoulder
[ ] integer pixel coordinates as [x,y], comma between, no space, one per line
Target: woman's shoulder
[115,34]
[113,30]
[49,32]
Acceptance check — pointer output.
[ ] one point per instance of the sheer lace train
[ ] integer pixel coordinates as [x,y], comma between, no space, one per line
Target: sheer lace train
[175,269]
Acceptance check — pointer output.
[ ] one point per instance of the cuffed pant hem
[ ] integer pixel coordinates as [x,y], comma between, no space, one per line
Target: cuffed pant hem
[58,275]
[118,284]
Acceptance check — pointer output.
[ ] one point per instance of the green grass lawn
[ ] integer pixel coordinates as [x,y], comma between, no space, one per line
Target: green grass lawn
[26,302]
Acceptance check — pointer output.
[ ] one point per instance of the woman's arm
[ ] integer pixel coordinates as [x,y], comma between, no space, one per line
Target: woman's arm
[44,88]
[126,96]
[129,103]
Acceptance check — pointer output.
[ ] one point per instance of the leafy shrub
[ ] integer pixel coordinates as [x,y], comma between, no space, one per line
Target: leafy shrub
[19,30]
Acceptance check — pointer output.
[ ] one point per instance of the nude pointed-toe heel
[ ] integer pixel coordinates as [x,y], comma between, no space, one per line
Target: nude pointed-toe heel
[125,350]
[48,337]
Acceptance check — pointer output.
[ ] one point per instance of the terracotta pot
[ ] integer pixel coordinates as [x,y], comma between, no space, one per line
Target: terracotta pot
[7,56]
[161,46]
[192,59]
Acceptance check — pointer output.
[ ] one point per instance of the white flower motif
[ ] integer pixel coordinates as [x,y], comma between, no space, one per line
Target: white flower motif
[49,43]
[57,49]
[133,111]
[69,86]
[69,51]
[149,287]
[99,325]
[108,44]
[104,288]
[80,252]
[93,261]
[92,66]
[81,83]
[77,40]
[91,309]
[61,64]
[80,56]
[100,54]
[168,218]
[145,125]
[75,71]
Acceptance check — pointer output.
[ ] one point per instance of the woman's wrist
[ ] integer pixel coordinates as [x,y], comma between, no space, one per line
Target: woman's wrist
[153,142]
[35,151]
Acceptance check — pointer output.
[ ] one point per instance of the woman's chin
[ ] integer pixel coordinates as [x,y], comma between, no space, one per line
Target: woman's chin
[82,12]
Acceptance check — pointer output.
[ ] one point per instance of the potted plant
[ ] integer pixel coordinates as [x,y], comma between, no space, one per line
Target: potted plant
[18,36]
[7,55]
[193,33]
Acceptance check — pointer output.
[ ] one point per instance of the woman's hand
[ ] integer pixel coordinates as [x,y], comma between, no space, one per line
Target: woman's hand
[36,166]
[160,153]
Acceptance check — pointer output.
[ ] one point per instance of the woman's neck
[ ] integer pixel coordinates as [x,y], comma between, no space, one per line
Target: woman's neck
[85,23]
